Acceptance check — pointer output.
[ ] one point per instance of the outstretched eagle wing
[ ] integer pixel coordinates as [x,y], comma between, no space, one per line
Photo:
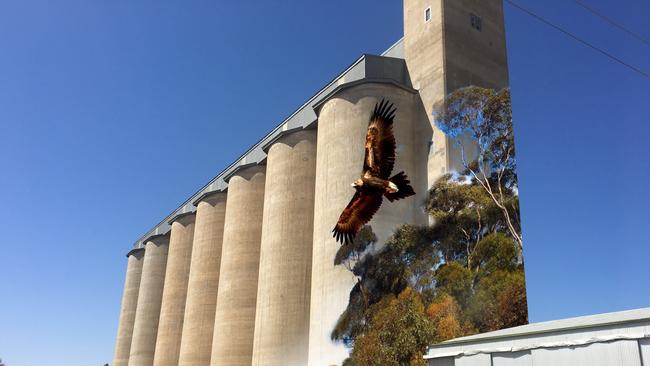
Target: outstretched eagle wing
[357,213]
[380,141]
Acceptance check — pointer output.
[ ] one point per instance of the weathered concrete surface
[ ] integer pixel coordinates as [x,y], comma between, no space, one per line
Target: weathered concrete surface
[342,126]
[198,325]
[172,310]
[147,313]
[240,257]
[445,54]
[282,318]
[424,55]
[128,308]
[474,57]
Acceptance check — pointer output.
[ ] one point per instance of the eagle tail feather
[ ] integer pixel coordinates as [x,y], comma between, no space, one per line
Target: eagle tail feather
[404,188]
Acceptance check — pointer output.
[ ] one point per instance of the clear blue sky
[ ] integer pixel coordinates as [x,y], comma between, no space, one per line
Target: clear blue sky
[114,112]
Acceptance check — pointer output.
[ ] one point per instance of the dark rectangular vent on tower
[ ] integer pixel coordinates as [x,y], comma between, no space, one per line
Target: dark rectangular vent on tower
[427,14]
[476,21]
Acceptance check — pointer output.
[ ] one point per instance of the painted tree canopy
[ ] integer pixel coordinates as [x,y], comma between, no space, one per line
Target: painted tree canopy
[460,275]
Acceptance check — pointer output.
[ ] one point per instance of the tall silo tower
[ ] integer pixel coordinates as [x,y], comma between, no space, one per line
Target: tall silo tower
[447,44]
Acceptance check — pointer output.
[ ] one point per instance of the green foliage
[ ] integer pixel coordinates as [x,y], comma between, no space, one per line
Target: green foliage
[460,275]
[445,315]
[407,260]
[454,279]
[495,252]
[464,214]
[348,254]
[381,345]
[499,301]
[486,116]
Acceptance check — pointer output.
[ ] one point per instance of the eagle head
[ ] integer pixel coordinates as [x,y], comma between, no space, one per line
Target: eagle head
[357,183]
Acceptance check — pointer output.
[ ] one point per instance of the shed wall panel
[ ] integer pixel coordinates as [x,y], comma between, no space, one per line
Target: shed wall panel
[443,361]
[481,359]
[596,354]
[522,358]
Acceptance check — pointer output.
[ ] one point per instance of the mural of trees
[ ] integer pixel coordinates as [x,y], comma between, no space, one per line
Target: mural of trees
[461,275]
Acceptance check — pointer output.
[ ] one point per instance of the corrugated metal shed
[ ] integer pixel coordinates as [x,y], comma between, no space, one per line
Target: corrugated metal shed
[621,338]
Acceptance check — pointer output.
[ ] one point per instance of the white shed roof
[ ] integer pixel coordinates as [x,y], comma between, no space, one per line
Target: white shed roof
[573,332]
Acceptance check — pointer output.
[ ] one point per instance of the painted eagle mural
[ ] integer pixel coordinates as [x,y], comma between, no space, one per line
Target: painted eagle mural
[374,183]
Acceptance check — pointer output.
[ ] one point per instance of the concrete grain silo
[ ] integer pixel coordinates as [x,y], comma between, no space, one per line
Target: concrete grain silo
[201,303]
[282,318]
[172,310]
[234,323]
[128,308]
[145,327]
[342,125]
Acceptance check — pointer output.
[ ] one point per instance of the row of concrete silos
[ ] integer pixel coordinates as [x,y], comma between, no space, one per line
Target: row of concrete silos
[261,287]
[249,279]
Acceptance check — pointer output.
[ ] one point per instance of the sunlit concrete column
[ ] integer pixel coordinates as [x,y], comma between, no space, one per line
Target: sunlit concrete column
[172,310]
[236,299]
[445,53]
[198,325]
[128,308]
[342,125]
[147,313]
[282,318]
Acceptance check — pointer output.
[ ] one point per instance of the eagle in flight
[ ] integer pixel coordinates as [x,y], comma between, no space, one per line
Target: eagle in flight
[374,183]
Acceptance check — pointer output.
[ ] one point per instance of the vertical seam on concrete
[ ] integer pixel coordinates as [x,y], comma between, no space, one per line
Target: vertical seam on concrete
[444,79]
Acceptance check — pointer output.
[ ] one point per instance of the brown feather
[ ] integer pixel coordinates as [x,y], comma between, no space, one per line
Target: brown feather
[380,141]
[358,212]
[403,185]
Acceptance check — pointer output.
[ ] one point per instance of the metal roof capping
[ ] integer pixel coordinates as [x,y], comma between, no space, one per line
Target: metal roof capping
[390,67]
[530,335]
